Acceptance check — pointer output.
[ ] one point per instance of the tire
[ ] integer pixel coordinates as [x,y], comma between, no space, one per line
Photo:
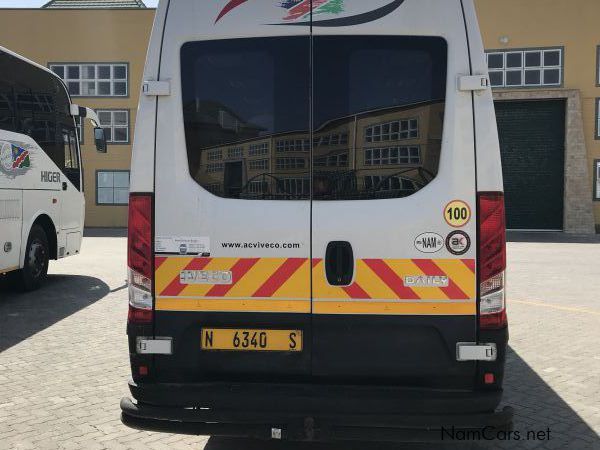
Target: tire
[37,257]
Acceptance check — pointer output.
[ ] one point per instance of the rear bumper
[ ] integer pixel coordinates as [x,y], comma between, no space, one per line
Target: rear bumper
[312,412]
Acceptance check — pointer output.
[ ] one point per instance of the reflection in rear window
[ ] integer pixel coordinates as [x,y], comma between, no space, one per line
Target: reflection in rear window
[378,109]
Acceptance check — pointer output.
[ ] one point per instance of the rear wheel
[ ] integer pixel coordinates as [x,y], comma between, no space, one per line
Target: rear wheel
[37,257]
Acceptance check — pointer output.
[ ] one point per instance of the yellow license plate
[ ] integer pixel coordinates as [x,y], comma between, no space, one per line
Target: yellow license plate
[244,340]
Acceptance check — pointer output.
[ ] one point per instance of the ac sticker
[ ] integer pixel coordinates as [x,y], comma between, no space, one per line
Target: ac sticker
[458,243]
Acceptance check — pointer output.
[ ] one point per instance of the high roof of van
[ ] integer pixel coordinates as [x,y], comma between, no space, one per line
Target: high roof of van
[93,4]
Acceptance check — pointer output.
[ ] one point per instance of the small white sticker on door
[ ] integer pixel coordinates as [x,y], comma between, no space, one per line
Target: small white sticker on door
[182,245]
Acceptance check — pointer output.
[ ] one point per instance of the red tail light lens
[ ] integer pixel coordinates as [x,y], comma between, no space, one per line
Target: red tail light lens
[492,260]
[139,258]
[139,250]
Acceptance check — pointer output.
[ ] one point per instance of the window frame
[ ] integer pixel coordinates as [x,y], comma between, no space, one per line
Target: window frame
[300,145]
[260,149]
[261,183]
[598,66]
[214,155]
[80,127]
[236,152]
[112,127]
[597,119]
[399,149]
[297,182]
[596,193]
[265,164]
[370,138]
[215,167]
[96,64]
[291,163]
[98,171]
[524,68]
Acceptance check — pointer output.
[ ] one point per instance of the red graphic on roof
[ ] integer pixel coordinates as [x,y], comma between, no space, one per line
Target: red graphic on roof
[297,9]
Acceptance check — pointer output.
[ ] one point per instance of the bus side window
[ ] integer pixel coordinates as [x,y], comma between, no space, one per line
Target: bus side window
[34,102]
[8,114]
[71,168]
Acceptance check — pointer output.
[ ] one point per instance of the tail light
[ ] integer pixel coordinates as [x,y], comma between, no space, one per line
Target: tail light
[492,260]
[139,258]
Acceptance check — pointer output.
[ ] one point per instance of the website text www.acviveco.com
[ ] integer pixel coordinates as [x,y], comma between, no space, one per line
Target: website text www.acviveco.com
[261,245]
[494,434]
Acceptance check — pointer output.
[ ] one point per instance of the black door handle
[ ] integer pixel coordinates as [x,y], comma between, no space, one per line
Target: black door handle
[339,263]
[64,186]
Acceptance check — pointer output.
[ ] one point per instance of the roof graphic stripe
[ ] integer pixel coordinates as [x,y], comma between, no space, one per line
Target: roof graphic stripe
[93,4]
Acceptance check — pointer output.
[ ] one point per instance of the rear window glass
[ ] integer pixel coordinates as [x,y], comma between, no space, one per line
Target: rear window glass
[378,109]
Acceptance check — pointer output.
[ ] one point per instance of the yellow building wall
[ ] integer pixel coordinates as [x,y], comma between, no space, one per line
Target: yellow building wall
[572,24]
[80,36]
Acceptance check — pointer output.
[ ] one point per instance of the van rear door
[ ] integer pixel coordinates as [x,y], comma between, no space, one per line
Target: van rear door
[232,195]
[394,191]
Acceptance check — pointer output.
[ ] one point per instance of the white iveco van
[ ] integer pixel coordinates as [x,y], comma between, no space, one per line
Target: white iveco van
[316,235]
[41,187]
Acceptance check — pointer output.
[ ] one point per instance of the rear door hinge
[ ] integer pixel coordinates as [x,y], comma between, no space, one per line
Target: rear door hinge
[470,83]
[156,88]
[470,351]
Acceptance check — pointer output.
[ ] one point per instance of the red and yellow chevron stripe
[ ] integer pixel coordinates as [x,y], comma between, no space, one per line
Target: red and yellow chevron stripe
[283,285]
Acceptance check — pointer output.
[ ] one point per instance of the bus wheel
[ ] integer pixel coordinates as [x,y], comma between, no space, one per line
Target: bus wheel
[35,268]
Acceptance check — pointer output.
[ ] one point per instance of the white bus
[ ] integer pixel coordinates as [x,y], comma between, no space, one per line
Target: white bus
[41,187]
[316,229]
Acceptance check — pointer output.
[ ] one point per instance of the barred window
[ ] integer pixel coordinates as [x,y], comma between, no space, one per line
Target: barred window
[112,187]
[215,155]
[293,145]
[331,139]
[525,67]
[235,152]
[94,80]
[395,183]
[294,186]
[291,163]
[392,156]
[597,180]
[259,164]
[215,167]
[259,149]
[258,187]
[393,131]
[116,125]
[340,160]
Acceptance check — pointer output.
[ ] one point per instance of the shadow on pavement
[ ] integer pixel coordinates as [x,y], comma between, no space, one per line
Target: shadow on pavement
[24,314]
[537,408]
[551,237]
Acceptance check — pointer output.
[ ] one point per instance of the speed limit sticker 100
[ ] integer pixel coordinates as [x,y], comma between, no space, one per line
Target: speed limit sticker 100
[457,213]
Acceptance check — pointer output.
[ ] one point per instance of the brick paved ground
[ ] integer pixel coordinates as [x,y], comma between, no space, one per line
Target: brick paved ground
[64,363]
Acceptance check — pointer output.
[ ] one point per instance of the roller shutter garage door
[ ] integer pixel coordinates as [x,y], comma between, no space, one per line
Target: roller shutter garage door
[532,143]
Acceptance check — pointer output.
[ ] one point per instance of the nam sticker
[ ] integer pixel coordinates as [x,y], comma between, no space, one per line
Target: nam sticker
[429,243]
[14,160]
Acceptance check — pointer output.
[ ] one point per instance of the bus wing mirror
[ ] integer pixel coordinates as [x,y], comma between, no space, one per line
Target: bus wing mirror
[100,139]
[88,113]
